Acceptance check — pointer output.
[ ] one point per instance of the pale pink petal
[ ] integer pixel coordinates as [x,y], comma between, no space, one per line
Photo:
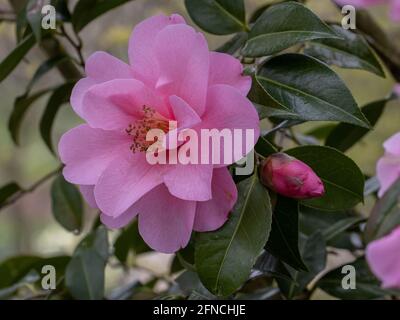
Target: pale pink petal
[123,182]
[395,10]
[225,69]
[212,214]
[183,59]
[226,111]
[387,171]
[121,221]
[165,222]
[88,194]
[115,104]
[100,67]
[392,145]
[189,182]
[141,46]
[183,112]
[384,259]
[86,152]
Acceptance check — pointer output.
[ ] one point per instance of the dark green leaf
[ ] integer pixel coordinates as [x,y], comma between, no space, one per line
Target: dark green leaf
[321,132]
[67,206]
[84,275]
[283,241]
[344,136]
[60,96]
[264,147]
[310,89]
[367,286]
[8,191]
[282,26]
[85,11]
[352,51]
[21,106]
[234,44]
[129,240]
[385,216]
[268,264]
[62,10]
[343,180]
[34,17]
[225,257]
[18,53]
[218,16]
[340,226]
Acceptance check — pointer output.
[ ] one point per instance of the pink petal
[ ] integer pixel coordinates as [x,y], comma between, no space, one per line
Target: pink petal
[121,221]
[115,104]
[141,46]
[100,67]
[212,214]
[165,222]
[88,195]
[227,109]
[387,171]
[384,259]
[225,69]
[124,181]
[86,152]
[183,60]
[189,182]
[392,145]
[395,10]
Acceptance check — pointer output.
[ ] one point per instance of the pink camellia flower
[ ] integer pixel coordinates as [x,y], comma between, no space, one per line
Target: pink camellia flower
[171,76]
[394,5]
[291,177]
[388,167]
[384,259]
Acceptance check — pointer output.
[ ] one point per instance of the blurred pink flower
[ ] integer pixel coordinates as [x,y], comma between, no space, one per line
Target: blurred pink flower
[291,177]
[388,167]
[394,5]
[171,76]
[384,259]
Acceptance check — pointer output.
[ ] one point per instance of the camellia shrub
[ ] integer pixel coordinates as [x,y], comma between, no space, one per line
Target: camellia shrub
[194,152]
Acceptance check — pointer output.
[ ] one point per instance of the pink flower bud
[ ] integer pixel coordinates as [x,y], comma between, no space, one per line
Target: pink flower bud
[290,177]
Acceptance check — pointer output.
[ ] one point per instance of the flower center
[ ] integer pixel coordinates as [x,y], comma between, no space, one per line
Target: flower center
[139,129]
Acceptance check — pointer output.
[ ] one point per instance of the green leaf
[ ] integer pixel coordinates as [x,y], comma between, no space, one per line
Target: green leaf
[21,106]
[343,180]
[129,240]
[340,226]
[282,26]
[7,191]
[84,275]
[352,51]
[283,240]
[67,206]
[34,17]
[18,53]
[344,135]
[62,10]
[385,216]
[225,257]
[218,16]
[264,147]
[234,44]
[268,264]
[29,279]
[321,132]
[60,96]
[310,89]
[85,11]
[367,286]
[313,253]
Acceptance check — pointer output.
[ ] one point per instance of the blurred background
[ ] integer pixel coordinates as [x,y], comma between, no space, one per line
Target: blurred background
[27,227]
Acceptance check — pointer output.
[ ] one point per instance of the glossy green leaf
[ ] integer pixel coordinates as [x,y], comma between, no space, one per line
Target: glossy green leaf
[21,106]
[234,44]
[59,96]
[218,16]
[225,257]
[15,56]
[67,205]
[352,51]
[385,215]
[264,147]
[85,11]
[282,26]
[343,180]
[129,240]
[8,190]
[367,286]
[283,241]
[310,89]
[84,276]
[268,264]
[344,135]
